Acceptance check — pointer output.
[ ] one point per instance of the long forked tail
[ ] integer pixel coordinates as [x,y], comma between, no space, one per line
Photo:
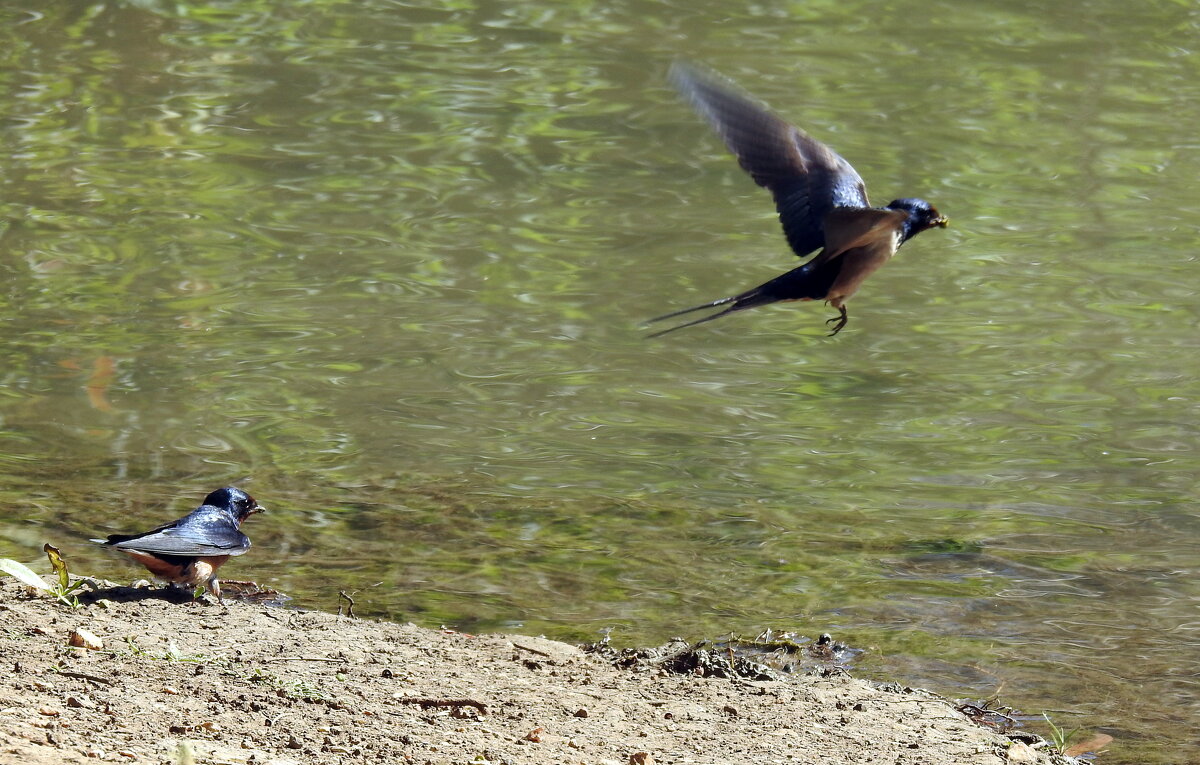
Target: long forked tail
[693,323]
[749,299]
[673,314]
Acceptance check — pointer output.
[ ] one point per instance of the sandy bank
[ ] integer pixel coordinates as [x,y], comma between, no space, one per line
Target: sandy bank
[252,684]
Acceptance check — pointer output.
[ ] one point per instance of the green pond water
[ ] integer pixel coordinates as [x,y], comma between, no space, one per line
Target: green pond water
[383,265]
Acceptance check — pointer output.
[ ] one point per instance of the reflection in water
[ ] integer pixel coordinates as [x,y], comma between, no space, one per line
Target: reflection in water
[383,266]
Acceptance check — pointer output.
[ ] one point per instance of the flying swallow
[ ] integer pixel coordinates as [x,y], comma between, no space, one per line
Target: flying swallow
[188,551]
[822,202]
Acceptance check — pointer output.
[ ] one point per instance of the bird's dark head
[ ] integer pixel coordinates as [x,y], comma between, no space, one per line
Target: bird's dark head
[236,501]
[921,216]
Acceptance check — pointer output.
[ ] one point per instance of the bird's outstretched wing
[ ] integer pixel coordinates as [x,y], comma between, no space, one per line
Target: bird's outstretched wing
[201,533]
[806,177]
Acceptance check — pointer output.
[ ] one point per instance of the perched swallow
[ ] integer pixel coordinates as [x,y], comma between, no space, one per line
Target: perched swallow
[822,202]
[188,551]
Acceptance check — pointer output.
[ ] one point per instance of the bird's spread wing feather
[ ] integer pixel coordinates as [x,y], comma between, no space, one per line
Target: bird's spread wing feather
[197,534]
[806,177]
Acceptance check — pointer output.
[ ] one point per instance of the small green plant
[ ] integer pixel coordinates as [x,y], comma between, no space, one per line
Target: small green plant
[299,690]
[63,589]
[172,653]
[1060,737]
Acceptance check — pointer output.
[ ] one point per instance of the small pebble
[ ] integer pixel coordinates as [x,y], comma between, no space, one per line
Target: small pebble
[1019,753]
[81,638]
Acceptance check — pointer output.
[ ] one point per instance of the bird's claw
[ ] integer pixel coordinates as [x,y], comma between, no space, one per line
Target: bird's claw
[842,320]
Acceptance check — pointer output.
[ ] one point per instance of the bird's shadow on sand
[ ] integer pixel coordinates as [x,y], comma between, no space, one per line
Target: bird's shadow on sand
[246,592]
[121,594]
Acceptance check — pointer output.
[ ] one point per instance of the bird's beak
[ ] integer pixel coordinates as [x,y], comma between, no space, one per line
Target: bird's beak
[258,509]
[941,222]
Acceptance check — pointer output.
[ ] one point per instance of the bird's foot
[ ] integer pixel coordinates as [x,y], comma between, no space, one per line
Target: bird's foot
[841,320]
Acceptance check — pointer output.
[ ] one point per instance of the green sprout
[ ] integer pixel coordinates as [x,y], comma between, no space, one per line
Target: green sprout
[1060,737]
[63,589]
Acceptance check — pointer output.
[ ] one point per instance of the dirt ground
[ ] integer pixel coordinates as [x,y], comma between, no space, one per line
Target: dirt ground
[190,682]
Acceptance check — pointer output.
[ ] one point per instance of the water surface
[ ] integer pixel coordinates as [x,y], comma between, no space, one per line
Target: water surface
[383,265]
